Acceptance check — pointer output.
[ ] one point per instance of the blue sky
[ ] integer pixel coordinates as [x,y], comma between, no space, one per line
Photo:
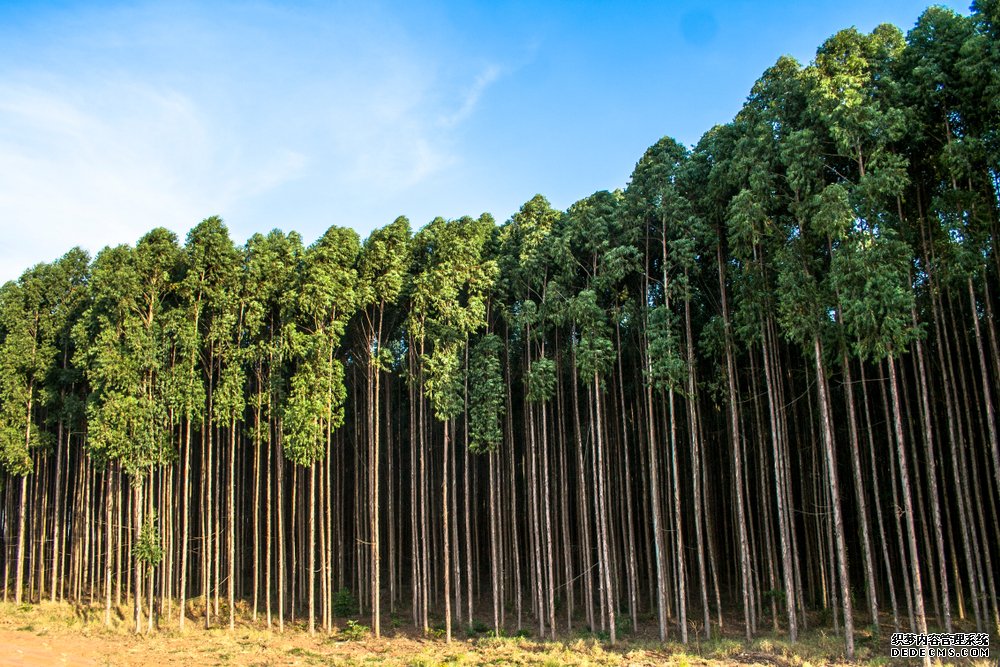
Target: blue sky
[119,117]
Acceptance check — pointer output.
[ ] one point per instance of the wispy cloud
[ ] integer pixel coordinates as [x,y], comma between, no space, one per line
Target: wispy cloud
[110,125]
[472,96]
[102,162]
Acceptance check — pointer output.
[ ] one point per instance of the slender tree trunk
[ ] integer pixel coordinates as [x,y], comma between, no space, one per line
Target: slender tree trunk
[56,519]
[584,504]
[990,417]
[232,524]
[136,562]
[932,475]
[859,491]
[447,553]
[374,486]
[658,551]
[108,553]
[312,548]
[784,520]
[23,512]
[279,466]
[602,510]
[826,427]
[494,546]
[465,495]
[735,442]
[904,474]
[21,526]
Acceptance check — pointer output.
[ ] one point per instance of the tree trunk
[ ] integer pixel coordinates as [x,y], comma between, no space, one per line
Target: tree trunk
[826,428]
[444,519]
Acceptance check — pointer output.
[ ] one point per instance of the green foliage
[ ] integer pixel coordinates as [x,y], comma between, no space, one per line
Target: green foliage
[833,217]
[540,380]
[344,603]
[802,299]
[871,274]
[383,262]
[271,265]
[325,299]
[776,594]
[595,352]
[451,283]
[443,385]
[354,631]
[122,346]
[667,366]
[476,628]
[486,395]
[148,549]
[525,252]
[315,399]
[37,313]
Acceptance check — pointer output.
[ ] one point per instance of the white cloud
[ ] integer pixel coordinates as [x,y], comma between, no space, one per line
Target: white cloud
[380,131]
[479,86]
[103,162]
[111,124]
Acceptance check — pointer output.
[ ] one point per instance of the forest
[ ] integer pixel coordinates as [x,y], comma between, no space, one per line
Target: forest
[756,390]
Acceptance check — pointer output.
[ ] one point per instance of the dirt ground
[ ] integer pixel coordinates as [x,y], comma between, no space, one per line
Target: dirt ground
[199,647]
[60,634]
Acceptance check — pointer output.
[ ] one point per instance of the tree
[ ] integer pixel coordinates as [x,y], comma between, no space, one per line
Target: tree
[326,299]
[381,271]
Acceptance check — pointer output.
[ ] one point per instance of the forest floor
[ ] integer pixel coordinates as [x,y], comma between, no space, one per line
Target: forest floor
[64,634]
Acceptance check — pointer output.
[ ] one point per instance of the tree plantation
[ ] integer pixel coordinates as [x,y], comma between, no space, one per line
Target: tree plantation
[755,391]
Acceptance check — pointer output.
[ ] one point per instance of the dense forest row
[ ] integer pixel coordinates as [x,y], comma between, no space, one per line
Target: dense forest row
[756,387]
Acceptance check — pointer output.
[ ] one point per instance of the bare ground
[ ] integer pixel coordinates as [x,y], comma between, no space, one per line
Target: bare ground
[61,634]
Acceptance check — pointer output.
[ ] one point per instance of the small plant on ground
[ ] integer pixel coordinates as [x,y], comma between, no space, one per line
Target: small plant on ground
[354,631]
[600,635]
[476,628]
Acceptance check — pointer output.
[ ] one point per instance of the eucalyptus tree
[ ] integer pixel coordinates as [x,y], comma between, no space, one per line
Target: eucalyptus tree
[804,306]
[382,267]
[656,200]
[451,282]
[769,119]
[28,353]
[872,273]
[271,264]
[230,401]
[64,397]
[486,411]
[202,322]
[591,230]
[124,358]
[856,99]
[527,276]
[947,82]
[712,180]
[326,299]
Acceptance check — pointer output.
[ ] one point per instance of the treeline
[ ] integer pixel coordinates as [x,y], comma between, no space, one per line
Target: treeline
[758,386]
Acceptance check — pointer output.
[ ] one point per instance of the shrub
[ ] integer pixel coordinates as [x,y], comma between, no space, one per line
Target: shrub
[344,603]
[355,631]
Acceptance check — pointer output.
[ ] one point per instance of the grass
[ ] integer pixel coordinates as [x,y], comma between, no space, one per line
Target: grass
[79,631]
